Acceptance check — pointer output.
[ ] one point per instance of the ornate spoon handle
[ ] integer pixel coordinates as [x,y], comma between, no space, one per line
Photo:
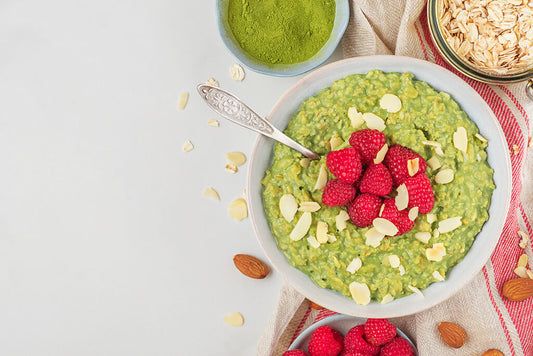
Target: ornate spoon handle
[230,107]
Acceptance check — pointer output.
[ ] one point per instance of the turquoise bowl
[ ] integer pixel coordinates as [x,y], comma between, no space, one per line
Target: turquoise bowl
[342,15]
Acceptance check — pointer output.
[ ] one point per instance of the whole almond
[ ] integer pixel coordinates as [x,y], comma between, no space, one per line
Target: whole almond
[518,289]
[452,334]
[492,352]
[251,266]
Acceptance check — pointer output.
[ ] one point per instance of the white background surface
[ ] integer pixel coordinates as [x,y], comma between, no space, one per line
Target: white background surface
[107,246]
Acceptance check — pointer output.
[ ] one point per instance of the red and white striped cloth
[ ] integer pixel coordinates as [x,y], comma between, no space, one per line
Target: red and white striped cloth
[400,27]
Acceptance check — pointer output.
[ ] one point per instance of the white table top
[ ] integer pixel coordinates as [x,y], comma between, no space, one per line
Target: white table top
[107,246]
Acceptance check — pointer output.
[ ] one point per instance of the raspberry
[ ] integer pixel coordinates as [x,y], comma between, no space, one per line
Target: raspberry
[355,341]
[420,193]
[399,218]
[397,347]
[376,180]
[337,193]
[325,341]
[353,353]
[368,143]
[345,164]
[379,331]
[396,161]
[364,209]
[294,353]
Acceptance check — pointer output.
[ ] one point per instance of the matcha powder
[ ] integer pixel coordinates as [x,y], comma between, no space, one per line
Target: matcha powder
[281,31]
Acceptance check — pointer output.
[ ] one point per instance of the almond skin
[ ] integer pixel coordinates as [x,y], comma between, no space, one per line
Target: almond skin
[492,352]
[452,334]
[251,266]
[518,289]
[315,306]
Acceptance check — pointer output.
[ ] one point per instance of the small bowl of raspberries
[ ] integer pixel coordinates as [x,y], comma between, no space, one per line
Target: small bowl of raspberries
[342,335]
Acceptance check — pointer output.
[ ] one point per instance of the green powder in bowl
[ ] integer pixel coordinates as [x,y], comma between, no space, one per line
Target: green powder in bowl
[281,31]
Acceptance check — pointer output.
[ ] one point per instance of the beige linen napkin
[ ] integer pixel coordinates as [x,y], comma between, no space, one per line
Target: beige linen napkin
[399,27]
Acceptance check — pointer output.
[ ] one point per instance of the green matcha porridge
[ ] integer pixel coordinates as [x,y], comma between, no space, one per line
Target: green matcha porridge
[332,250]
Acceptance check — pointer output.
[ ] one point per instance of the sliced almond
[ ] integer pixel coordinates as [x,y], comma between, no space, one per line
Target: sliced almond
[431,143]
[444,176]
[481,138]
[354,265]
[313,242]
[387,298]
[416,290]
[450,224]
[360,293]
[304,162]
[385,226]
[402,198]
[230,168]
[331,238]
[236,158]
[212,81]
[373,121]
[340,220]
[335,142]
[436,253]
[523,239]
[310,206]
[437,276]
[187,146]
[521,272]
[322,178]
[302,227]
[412,166]
[529,274]
[234,319]
[381,209]
[322,232]
[213,123]
[356,118]
[431,218]
[238,209]
[380,156]
[394,261]
[413,213]
[434,163]
[211,193]
[439,151]
[436,233]
[402,270]
[391,103]
[516,150]
[373,237]
[423,236]
[182,100]
[288,206]
[236,72]
[522,261]
[460,139]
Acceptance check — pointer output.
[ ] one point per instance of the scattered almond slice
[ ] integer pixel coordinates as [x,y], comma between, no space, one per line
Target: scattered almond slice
[416,290]
[529,274]
[304,162]
[385,226]
[460,139]
[340,220]
[354,265]
[413,213]
[302,227]
[423,236]
[213,123]
[434,163]
[236,158]
[516,150]
[356,118]
[436,253]
[310,206]
[238,209]
[236,72]
[524,239]
[331,238]
[373,237]
[391,103]
[360,293]
[522,261]
[234,319]
[373,121]
[387,298]
[182,100]
[212,81]
[431,143]
[481,138]
[230,168]
[288,207]
[322,232]
[322,178]
[521,272]
[444,176]
[431,218]
[381,209]
[439,151]
[402,270]
[380,156]
[437,276]
[412,166]
[211,193]
[335,142]
[313,242]
[394,261]
[187,146]
[450,224]
[436,233]
[402,198]
[530,142]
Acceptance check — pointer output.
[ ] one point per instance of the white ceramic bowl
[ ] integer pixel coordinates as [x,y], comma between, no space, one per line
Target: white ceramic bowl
[485,242]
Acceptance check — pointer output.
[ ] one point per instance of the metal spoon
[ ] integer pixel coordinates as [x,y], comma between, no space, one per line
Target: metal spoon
[230,107]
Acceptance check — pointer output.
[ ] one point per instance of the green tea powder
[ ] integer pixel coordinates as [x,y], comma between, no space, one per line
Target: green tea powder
[281,31]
